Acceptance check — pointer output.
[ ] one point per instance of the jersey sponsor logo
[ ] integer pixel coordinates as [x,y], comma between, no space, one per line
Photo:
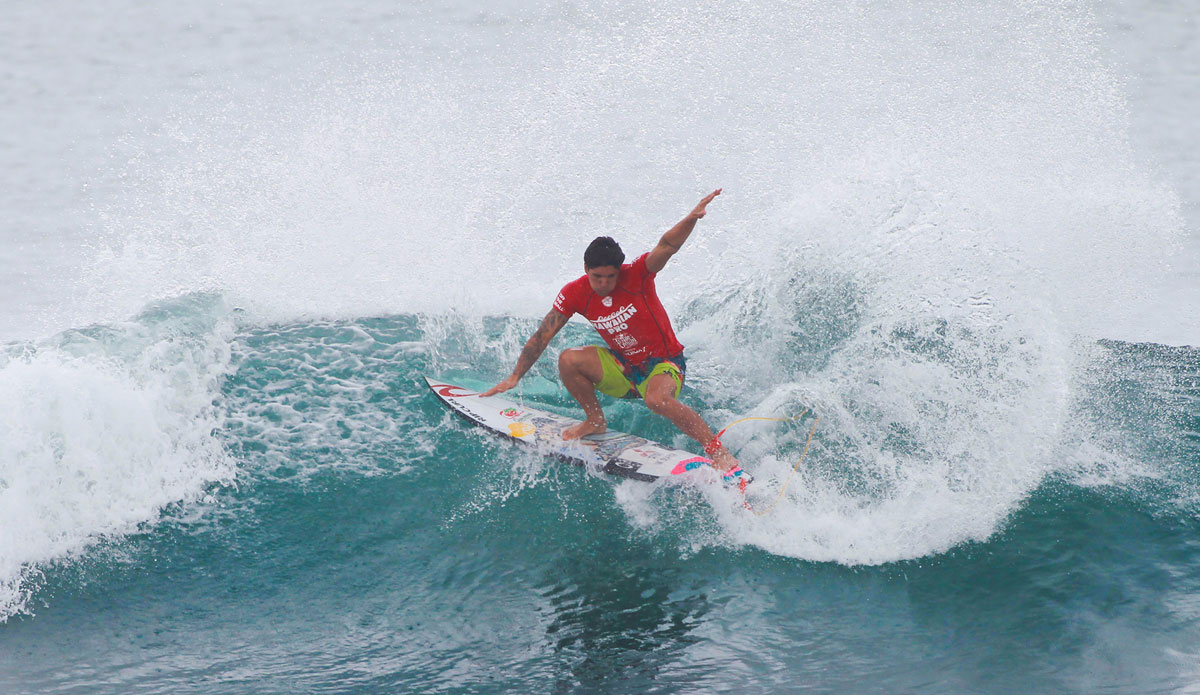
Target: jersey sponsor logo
[607,301]
[616,321]
[558,302]
[624,341]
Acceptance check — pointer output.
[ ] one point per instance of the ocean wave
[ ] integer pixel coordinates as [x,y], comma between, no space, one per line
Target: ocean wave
[104,427]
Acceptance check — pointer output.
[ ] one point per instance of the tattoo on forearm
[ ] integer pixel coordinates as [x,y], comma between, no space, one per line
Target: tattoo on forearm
[536,345]
[529,354]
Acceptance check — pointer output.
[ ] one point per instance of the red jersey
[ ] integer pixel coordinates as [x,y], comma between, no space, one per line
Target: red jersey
[631,319]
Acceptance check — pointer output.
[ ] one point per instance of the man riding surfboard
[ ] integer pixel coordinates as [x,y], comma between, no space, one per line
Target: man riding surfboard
[643,359]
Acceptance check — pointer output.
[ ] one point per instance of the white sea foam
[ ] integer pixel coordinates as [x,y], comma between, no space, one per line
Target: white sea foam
[101,429]
[925,206]
[471,182]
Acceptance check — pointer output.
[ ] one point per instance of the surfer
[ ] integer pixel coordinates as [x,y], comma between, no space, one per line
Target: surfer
[643,358]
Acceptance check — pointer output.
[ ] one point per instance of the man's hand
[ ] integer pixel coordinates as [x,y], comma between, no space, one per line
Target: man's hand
[673,240]
[503,386]
[700,211]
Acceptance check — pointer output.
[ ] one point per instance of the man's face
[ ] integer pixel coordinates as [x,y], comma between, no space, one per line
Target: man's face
[603,279]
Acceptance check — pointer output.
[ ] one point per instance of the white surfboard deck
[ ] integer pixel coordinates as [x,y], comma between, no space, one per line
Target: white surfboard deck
[614,453]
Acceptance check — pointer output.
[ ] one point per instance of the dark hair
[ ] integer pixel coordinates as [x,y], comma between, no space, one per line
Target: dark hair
[603,251]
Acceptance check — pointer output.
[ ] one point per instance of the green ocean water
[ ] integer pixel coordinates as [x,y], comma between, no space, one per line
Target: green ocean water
[368,542]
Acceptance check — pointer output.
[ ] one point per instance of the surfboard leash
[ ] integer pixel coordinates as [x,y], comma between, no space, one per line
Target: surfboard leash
[791,473]
[716,442]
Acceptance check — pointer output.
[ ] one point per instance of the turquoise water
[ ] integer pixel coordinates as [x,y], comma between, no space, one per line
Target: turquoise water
[240,234]
[369,542]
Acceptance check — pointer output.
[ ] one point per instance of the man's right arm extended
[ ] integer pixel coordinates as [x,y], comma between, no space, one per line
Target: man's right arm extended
[534,347]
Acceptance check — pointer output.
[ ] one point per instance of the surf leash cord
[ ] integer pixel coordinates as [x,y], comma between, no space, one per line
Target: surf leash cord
[714,445]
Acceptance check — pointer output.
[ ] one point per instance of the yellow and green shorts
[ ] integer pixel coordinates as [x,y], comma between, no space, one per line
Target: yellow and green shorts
[625,381]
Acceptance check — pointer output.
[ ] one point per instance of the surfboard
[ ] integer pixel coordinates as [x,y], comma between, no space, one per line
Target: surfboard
[613,453]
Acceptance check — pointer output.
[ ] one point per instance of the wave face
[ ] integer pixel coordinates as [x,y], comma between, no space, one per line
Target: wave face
[221,470]
[296,484]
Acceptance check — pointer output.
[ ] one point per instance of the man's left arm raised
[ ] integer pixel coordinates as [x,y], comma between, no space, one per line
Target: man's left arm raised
[673,240]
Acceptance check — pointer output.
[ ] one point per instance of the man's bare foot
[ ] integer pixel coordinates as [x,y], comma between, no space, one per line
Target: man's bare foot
[584,428]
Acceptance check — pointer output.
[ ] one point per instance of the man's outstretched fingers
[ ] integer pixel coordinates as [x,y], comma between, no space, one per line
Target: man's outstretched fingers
[700,209]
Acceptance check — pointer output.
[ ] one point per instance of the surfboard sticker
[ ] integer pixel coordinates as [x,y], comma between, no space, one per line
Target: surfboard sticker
[614,453]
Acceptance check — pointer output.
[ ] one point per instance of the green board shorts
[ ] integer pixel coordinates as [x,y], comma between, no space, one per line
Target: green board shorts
[618,384]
